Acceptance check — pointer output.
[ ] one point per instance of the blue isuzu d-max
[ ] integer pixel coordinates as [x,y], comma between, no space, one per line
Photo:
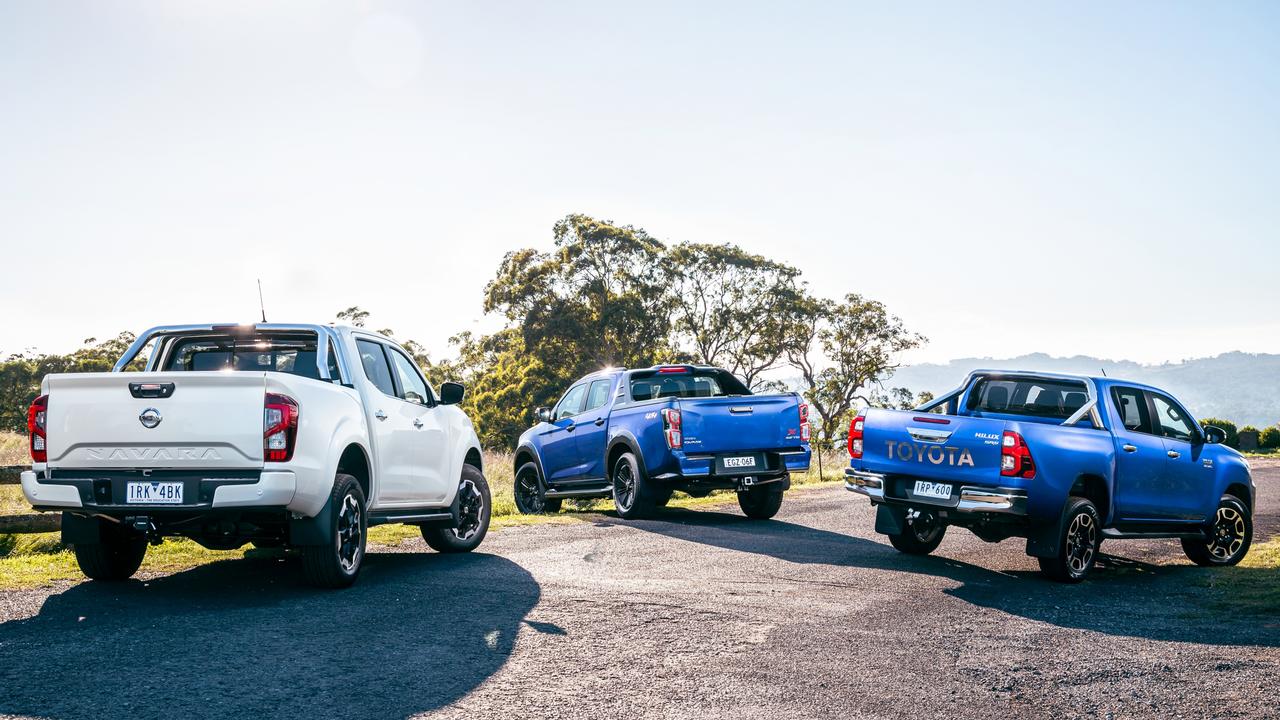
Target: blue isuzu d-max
[1064,461]
[638,435]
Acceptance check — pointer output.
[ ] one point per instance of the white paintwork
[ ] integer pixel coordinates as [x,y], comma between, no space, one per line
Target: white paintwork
[214,421]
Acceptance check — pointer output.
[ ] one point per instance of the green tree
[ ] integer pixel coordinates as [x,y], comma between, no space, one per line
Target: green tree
[354,316]
[730,307]
[844,351]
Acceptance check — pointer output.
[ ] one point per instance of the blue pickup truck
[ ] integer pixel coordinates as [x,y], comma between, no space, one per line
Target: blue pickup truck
[638,435]
[1064,461]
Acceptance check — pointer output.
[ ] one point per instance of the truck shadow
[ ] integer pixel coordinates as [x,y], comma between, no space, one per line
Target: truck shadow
[245,638]
[1124,597]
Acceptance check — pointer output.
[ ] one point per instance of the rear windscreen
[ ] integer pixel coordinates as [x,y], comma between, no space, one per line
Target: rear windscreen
[293,354]
[686,384]
[1038,397]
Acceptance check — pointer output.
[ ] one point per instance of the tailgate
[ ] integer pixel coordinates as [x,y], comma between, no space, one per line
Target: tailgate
[935,447]
[749,422]
[207,420]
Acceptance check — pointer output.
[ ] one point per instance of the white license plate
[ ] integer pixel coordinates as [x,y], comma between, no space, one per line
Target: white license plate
[740,462]
[154,493]
[941,491]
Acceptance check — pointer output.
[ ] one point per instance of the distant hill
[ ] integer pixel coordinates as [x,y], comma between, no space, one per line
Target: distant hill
[1236,386]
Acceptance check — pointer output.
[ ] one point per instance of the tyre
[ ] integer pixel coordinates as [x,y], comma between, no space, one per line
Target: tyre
[922,535]
[474,506]
[531,496]
[761,502]
[1078,545]
[337,564]
[632,496]
[1228,539]
[116,556]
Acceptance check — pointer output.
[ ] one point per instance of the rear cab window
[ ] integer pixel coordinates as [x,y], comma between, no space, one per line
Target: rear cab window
[1131,407]
[376,367]
[1047,398]
[684,383]
[293,353]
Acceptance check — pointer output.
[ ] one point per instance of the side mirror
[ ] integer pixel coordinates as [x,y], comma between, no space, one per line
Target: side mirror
[543,414]
[451,393]
[1214,435]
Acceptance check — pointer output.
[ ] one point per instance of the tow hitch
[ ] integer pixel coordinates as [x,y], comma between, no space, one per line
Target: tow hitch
[146,527]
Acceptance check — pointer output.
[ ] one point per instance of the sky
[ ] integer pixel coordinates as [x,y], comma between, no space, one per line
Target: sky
[1072,178]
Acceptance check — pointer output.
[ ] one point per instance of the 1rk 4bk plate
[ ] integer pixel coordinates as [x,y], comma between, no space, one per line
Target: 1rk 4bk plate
[159,492]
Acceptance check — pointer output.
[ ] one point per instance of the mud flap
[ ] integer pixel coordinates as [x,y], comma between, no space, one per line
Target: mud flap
[313,530]
[1043,539]
[80,530]
[891,520]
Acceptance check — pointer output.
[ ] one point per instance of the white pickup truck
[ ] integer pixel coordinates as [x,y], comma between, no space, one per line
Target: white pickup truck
[296,435]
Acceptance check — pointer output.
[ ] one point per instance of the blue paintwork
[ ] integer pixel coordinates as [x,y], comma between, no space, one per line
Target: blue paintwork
[1145,486]
[579,456]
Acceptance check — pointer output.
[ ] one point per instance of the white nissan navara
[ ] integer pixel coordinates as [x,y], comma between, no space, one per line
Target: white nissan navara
[274,434]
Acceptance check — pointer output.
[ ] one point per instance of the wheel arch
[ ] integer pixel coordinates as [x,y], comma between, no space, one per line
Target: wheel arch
[527,453]
[623,442]
[1096,490]
[354,461]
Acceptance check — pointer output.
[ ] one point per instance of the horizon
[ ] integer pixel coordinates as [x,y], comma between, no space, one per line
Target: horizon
[998,189]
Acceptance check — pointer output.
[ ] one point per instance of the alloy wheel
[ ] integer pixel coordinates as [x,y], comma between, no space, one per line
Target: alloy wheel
[624,486]
[530,494]
[470,510]
[350,534]
[1082,542]
[1227,536]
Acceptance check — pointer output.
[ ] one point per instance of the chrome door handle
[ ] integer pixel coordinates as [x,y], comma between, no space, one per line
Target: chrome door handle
[1174,454]
[417,422]
[1129,448]
[380,415]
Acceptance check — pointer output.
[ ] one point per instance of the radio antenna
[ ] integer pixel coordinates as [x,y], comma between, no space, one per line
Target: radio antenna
[1104,370]
[261,306]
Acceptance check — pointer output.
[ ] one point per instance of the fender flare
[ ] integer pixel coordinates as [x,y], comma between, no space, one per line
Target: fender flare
[625,438]
[537,461]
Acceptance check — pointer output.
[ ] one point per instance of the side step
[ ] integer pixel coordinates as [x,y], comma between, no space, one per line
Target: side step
[602,491]
[1114,534]
[410,516]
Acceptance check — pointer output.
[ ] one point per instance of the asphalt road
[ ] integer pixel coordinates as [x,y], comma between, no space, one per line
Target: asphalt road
[701,614]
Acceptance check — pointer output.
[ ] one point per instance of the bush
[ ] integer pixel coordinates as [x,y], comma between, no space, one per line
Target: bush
[1233,436]
[1270,437]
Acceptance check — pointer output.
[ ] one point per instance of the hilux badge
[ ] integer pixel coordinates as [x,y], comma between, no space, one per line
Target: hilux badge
[150,418]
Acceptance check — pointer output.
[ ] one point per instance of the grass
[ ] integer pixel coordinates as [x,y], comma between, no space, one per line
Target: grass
[13,449]
[1253,586]
[39,559]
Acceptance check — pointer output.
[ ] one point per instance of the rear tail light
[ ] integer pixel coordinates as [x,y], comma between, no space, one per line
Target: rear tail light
[37,430]
[804,422]
[855,437]
[1015,456]
[279,427]
[671,428]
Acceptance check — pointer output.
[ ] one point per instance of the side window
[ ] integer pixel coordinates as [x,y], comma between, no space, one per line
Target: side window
[598,395]
[571,403]
[1173,422]
[375,365]
[1131,406]
[412,387]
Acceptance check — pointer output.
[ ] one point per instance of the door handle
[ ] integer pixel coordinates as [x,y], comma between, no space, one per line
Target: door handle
[380,415]
[570,427]
[1174,454]
[599,422]
[417,422]
[1129,448]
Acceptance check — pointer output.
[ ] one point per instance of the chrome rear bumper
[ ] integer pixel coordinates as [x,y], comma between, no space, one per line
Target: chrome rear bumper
[971,499]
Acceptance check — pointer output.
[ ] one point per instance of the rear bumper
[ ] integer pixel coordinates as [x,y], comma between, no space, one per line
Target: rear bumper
[968,499]
[103,493]
[703,466]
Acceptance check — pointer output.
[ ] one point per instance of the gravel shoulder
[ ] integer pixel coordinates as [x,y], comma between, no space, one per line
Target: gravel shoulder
[699,613]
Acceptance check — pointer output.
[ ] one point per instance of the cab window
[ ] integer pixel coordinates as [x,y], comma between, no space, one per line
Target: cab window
[598,395]
[1173,421]
[412,387]
[1131,406]
[375,365]
[571,403]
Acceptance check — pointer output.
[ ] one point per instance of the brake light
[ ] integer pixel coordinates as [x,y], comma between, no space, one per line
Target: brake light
[1015,456]
[672,370]
[671,428]
[804,422]
[855,437]
[37,430]
[279,427]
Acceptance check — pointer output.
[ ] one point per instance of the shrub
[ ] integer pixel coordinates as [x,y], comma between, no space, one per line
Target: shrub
[1270,437]
[1233,436]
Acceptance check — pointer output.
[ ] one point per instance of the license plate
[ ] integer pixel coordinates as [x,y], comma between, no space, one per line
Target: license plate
[740,462]
[154,493]
[941,491]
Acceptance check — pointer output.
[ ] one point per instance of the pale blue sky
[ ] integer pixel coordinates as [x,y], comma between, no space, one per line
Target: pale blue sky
[1096,178]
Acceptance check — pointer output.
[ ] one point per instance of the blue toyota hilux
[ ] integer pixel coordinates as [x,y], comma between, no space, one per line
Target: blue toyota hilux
[1064,461]
[639,435]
